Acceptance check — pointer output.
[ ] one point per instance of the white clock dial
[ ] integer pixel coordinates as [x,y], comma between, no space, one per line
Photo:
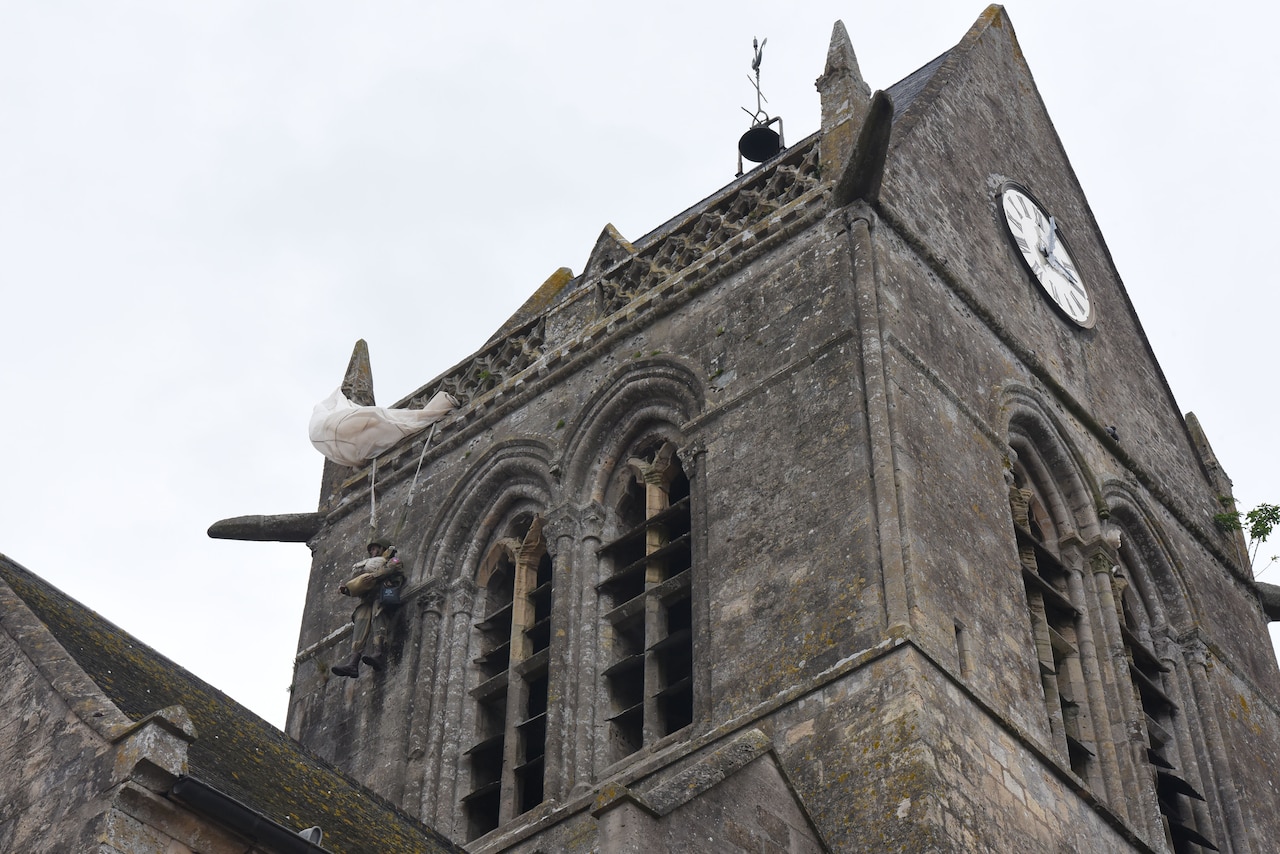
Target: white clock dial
[1039,239]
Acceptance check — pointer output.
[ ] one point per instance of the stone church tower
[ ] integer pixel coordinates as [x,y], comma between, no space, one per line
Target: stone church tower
[848,510]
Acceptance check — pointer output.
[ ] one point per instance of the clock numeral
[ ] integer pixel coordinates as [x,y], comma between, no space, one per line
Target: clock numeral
[1022,243]
[1082,308]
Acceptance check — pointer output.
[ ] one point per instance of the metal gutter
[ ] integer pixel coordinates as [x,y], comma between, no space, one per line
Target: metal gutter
[244,820]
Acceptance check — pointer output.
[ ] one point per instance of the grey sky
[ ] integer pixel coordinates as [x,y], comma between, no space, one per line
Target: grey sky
[204,205]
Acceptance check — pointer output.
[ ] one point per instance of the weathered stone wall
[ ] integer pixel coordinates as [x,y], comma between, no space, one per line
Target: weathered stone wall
[941,184]
[974,346]
[917,765]
[774,439]
[1238,723]
[996,793]
[53,769]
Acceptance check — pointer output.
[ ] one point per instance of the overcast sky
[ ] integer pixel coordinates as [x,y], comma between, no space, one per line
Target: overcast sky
[203,205]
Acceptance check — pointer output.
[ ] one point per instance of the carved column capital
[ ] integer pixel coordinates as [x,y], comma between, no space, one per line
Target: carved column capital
[1020,506]
[461,595]
[1196,651]
[1101,559]
[570,522]
[692,456]
[657,472]
[431,597]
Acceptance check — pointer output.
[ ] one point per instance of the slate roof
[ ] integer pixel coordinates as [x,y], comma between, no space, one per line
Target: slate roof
[235,751]
[904,92]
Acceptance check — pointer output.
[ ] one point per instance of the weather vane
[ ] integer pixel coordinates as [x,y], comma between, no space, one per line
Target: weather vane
[760,142]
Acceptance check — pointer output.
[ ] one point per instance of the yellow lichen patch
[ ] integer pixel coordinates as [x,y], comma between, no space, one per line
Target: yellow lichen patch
[804,730]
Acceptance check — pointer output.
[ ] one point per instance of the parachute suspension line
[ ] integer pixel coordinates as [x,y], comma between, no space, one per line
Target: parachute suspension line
[373,501]
[413,487]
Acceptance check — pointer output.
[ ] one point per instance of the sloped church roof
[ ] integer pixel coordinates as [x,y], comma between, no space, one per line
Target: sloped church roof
[234,751]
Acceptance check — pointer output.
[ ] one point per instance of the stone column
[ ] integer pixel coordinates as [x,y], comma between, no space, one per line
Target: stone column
[693,457]
[446,776]
[1095,656]
[1199,663]
[1128,727]
[429,605]
[884,485]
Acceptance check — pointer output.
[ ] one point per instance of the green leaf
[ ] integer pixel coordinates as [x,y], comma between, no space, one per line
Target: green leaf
[1261,521]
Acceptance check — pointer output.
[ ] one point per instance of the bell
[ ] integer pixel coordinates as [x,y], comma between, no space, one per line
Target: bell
[759,144]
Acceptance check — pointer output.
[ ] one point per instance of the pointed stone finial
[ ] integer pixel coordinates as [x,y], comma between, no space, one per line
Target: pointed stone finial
[357,385]
[547,293]
[844,93]
[846,98]
[611,247]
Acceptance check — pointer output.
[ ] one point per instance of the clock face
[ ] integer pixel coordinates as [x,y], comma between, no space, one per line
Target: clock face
[1040,241]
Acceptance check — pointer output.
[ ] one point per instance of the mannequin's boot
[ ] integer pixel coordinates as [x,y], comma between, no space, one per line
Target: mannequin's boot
[378,659]
[351,669]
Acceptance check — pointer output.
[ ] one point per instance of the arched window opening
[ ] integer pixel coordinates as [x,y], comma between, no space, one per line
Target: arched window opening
[1151,680]
[648,604]
[1054,620]
[507,758]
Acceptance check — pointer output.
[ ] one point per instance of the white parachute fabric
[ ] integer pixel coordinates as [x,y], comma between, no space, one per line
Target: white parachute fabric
[350,434]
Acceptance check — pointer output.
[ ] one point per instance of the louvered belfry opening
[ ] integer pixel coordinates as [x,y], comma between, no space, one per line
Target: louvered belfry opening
[1150,678]
[507,759]
[1054,619]
[648,605]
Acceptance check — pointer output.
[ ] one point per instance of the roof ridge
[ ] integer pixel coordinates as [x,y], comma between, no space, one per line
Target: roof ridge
[940,72]
[84,697]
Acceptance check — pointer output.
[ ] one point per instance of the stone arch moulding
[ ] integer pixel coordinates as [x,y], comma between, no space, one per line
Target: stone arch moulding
[1153,603]
[511,473]
[1044,449]
[640,396]
[1161,585]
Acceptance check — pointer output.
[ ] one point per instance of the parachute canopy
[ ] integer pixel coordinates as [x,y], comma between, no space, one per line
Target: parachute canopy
[349,434]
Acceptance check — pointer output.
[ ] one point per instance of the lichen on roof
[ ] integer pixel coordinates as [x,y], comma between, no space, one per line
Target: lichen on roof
[235,751]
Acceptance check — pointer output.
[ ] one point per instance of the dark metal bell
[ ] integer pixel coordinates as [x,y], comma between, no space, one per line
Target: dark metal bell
[759,144]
